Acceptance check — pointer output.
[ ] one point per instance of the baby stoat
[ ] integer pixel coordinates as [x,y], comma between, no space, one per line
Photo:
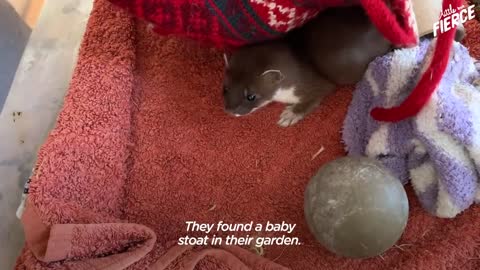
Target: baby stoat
[259,74]
[303,67]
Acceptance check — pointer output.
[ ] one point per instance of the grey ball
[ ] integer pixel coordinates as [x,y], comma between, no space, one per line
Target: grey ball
[355,207]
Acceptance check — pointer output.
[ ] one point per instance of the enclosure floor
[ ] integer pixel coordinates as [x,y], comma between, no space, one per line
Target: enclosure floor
[36,93]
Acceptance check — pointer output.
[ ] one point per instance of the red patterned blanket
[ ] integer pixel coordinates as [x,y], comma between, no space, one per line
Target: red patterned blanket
[235,23]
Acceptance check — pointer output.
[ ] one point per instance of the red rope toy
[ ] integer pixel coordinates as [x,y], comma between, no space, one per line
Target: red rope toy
[430,79]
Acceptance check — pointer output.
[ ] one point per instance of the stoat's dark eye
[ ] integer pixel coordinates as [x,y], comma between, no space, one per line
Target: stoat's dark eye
[225,89]
[251,97]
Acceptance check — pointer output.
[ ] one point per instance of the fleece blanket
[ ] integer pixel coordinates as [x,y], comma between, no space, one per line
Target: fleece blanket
[439,149]
[142,145]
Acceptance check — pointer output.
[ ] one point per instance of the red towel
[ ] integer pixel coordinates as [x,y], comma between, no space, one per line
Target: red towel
[142,145]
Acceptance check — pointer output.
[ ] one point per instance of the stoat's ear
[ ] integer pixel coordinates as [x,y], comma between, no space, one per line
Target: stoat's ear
[225,58]
[273,76]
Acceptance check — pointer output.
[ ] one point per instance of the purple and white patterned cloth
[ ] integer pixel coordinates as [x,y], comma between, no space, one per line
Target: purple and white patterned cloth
[439,149]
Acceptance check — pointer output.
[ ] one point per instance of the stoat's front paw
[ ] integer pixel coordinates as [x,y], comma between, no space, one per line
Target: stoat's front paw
[289,118]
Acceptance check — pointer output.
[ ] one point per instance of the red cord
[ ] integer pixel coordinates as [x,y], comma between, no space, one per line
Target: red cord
[386,22]
[429,81]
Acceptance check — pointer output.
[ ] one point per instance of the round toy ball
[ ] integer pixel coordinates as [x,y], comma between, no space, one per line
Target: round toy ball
[355,207]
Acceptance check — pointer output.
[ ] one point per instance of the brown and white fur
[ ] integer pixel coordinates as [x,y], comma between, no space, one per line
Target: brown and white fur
[258,75]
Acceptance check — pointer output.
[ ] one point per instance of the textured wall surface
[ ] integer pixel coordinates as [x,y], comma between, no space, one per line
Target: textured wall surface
[14,35]
[31,107]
